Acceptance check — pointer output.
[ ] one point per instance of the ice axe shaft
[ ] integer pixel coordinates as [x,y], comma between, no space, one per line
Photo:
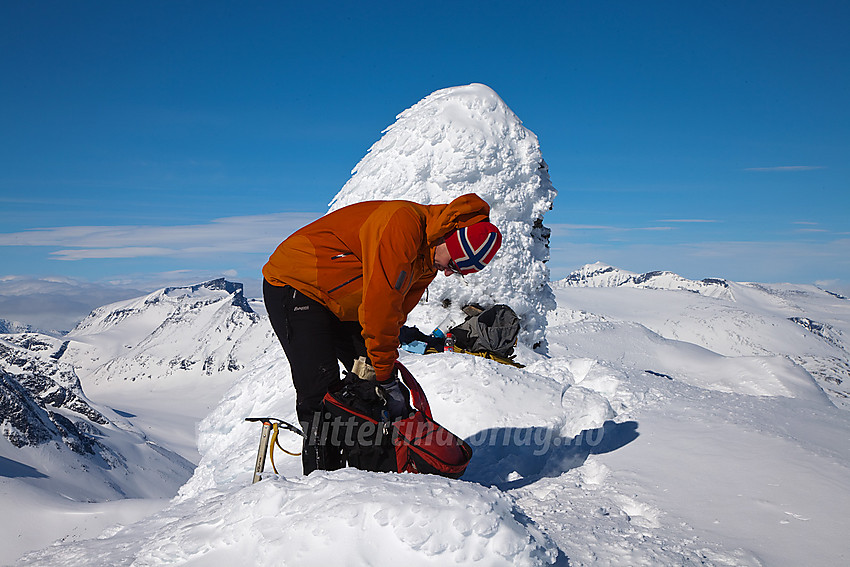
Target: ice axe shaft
[261,451]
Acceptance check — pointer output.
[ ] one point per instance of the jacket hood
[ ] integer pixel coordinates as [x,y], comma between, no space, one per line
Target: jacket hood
[466,210]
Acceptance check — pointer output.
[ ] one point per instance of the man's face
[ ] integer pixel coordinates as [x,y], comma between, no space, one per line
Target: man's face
[443,260]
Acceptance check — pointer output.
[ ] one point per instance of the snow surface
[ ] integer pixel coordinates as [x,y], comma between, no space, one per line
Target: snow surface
[665,425]
[581,456]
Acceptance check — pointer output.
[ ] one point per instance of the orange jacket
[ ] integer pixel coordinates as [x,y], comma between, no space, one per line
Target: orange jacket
[371,262]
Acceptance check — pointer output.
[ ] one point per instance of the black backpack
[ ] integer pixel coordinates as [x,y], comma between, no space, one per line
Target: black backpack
[493,330]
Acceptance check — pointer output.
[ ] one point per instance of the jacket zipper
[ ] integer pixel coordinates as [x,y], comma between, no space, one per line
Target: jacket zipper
[343,284]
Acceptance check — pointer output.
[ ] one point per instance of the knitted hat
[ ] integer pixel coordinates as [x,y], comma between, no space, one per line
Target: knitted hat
[472,247]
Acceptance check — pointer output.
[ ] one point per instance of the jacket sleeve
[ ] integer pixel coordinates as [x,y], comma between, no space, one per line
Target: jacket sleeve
[390,248]
[415,294]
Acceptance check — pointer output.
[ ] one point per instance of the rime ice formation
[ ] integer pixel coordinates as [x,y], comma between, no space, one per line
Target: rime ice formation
[466,140]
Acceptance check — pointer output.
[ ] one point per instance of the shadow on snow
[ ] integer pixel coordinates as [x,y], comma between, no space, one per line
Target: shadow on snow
[509,457]
[14,469]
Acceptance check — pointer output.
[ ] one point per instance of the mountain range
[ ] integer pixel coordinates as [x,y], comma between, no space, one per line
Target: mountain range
[178,333]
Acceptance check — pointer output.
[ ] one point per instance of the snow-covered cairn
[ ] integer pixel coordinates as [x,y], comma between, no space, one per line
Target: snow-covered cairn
[466,140]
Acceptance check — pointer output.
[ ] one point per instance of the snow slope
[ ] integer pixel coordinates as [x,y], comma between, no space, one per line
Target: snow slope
[801,329]
[619,448]
[60,441]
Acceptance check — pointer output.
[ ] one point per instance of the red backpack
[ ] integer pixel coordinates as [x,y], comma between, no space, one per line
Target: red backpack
[356,421]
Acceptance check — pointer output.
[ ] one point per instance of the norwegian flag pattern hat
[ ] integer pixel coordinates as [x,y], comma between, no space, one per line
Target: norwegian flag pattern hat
[472,247]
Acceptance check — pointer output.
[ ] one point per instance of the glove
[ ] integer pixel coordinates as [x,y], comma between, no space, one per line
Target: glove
[395,398]
[363,369]
[407,335]
[412,335]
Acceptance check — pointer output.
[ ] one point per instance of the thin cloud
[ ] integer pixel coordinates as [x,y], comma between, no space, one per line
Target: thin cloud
[587,227]
[808,227]
[689,220]
[57,303]
[245,234]
[127,252]
[786,168]
[568,227]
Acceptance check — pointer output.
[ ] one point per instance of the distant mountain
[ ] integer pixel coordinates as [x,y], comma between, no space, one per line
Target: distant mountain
[172,334]
[32,392]
[13,327]
[802,323]
[603,275]
[7,327]
[62,437]
[198,330]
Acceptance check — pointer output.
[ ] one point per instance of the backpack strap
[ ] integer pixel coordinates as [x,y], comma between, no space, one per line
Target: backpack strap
[420,402]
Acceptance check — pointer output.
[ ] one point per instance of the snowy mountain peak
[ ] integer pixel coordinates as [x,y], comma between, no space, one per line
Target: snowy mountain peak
[603,275]
[195,329]
[467,140]
[10,327]
[48,380]
[167,302]
[596,275]
[212,291]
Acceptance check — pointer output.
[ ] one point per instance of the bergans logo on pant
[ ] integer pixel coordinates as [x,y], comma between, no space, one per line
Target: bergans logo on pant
[301,308]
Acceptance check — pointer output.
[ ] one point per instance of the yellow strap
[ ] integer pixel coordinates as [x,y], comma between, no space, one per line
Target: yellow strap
[274,441]
[495,357]
[298,454]
[483,354]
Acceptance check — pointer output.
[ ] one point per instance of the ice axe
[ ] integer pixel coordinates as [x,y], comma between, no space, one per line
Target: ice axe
[271,425]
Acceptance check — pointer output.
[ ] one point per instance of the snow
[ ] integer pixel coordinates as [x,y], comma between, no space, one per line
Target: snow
[580,456]
[668,421]
[366,519]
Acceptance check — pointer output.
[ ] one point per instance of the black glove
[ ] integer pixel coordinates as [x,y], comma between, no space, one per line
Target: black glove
[407,335]
[395,397]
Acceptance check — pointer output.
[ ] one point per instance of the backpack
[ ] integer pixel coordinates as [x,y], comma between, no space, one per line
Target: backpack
[493,330]
[369,441]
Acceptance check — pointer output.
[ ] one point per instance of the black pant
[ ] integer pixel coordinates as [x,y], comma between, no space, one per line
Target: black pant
[313,340]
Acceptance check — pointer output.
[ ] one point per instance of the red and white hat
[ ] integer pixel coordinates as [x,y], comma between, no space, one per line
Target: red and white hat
[472,247]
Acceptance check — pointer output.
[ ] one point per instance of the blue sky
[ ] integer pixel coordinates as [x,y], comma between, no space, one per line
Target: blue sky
[151,143]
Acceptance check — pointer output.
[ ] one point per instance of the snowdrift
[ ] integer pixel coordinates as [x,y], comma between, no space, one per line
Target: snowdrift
[343,518]
[377,518]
